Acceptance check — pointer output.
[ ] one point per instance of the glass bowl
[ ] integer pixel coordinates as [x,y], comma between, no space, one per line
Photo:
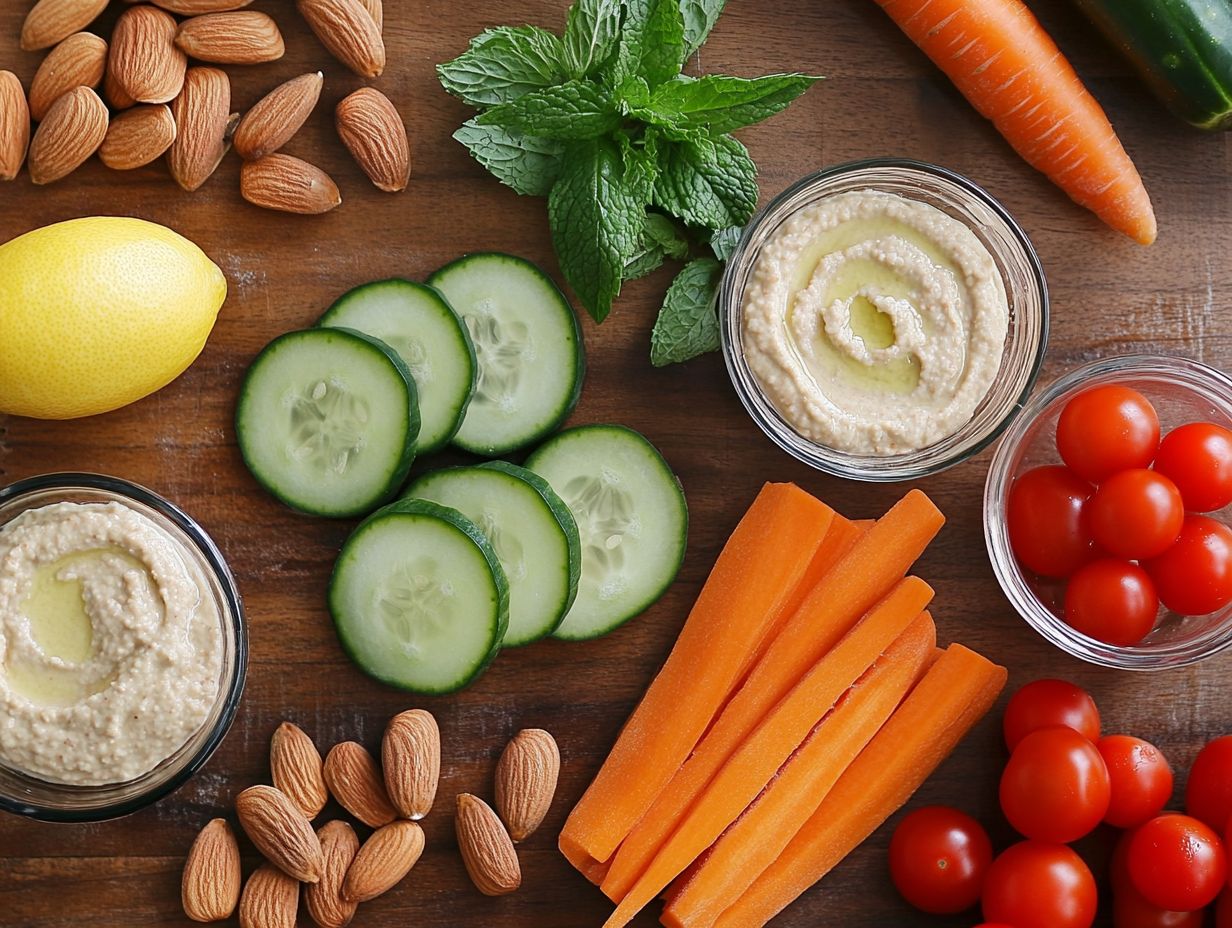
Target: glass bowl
[59,802]
[1021,273]
[1181,391]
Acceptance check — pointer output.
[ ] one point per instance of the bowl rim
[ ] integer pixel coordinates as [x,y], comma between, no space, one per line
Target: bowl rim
[233,602]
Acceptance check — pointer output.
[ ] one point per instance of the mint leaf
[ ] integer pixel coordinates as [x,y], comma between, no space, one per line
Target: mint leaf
[707,182]
[699,18]
[717,104]
[504,63]
[651,42]
[660,239]
[572,110]
[723,243]
[596,212]
[688,324]
[528,164]
[591,33]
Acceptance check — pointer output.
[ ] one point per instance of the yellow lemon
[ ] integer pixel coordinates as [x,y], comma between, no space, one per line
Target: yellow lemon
[97,313]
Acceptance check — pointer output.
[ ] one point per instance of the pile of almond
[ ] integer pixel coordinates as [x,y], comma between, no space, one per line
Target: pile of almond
[335,870]
[158,104]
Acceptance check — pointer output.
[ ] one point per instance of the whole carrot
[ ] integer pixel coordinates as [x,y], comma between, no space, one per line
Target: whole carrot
[1009,68]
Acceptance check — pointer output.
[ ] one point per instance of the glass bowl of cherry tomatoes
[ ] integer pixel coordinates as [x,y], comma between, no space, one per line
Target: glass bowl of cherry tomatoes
[1106,512]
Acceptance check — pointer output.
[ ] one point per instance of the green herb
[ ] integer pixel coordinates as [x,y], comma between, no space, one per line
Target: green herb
[636,159]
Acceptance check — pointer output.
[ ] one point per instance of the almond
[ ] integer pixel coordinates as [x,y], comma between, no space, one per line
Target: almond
[247,37]
[52,21]
[526,781]
[211,883]
[348,32]
[78,61]
[486,849]
[75,126]
[324,899]
[376,9]
[383,861]
[200,7]
[201,112]
[143,59]
[293,186]
[280,832]
[411,759]
[270,899]
[373,132]
[14,125]
[297,770]
[114,94]
[353,776]
[277,116]
[138,136]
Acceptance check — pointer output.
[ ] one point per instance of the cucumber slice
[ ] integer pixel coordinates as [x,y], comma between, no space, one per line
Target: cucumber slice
[531,530]
[418,598]
[327,421]
[528,345]
[416,322]
[631,515]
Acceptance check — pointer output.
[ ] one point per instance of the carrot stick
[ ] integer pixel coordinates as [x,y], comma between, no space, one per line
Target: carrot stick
[1009,68]
[747,770]
[758,837]
[956,692]
[873,564]
[754,577]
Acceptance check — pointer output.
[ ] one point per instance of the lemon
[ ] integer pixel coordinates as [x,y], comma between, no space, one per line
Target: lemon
[96,313]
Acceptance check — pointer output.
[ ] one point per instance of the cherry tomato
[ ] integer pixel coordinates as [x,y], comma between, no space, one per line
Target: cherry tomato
[1055,787]
[1176,862]
[1136,514]
[1037,885]
[1194,576]
[938,857]
[1045,520]
[1208,794]
[1107,429]
[1130,909]
[1198,459]
[1047,703]
[1140,779]
[1111,601]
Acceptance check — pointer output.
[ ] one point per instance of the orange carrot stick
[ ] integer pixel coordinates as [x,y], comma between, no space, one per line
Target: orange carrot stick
[956,692]
[754,577]
[1009,68]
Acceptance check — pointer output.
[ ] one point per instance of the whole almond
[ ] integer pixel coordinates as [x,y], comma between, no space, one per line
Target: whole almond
[137,136]
[113,93]
[376,9]
[53,21]
[210,886]
[201,112]
[373,132]
[383,861]
[78,61]
[486,849]
[297,769]
[348,31]
[411,761]
[276,117]
[353,776]
[246,37]
[324,899]
[14,125]
[270,899]
[199,7]
[280,832]
[526,781]
[143,58]
[74,128]
[289,185]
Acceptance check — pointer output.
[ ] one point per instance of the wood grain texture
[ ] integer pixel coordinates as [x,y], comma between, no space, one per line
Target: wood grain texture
[881,98]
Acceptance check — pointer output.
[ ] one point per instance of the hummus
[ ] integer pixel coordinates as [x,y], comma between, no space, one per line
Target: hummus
[875,324]
[110,644]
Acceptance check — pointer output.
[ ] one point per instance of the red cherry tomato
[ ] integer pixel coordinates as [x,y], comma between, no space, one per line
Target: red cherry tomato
[1198,459]
[1045,521]
[938,857]
[1208,794]
[1038,885]
[1055,787]
[1107,429]
[1136,514]
[1176,862]
[1111,601]
[1140,779]
[1048,703]
[1130,909]
[1194,576]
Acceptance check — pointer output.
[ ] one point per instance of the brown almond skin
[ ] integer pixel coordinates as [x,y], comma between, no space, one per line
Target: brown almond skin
[138,136]
[14,125]
[354,779]
[74,128]
[270,899]
[411,762]
[348,32]
[281,182]
[370,127]
[201,112]
[276,117]
[376,9]
[526,777]
[53,21]
[210,886]
[143,57]
[116,96]
[324,900]
[280,832]
[245,37]
[486,849]
[383,861]
[297,769]
[78,61]
[200,7]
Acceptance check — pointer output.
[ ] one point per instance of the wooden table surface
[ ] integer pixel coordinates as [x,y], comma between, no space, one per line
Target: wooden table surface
[881,98]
